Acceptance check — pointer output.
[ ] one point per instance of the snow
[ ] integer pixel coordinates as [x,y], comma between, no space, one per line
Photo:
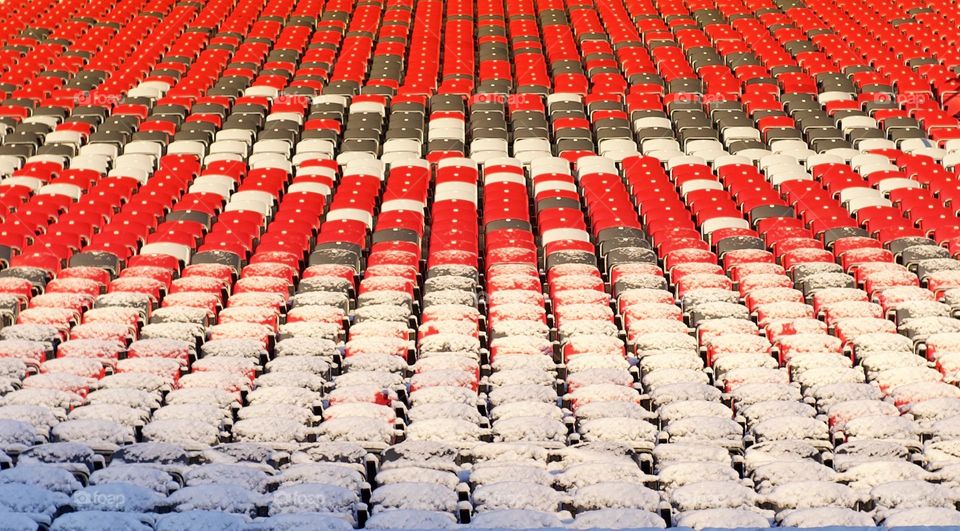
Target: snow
[790,428]
[607,409]
[412,495]
[445,430]
[503,328]
[382,312]
[516,495]
[685,391]
[303,521]
[515,519]
[913,494]
[680,473]
[126,416]
[618,519]
[146,476]
[123,497]
[826,516]
[619,429]
[182,431]
[923,516]
[96,520]
[155,453]
[723,431]
[665,341]
[355,429]
[772,474]
[209,414]
[200,521]
[22,498]
[668,453]
[713,495]
[45,476]
[417,474]
[882,427]
[529,429]
[368,362]
[307,364]
[216,497]
[411,519]
[762,454]
[50,398]
[444,377]
[722,518]
[18,434]
[269,430]
[509,453]
[312,497]
[867,475]
[437,395]
[295,379]
[521,377]
[577,476]
[615,495]
[284,395]
[301,415]
[810,494]
[748,394]
[371,328]
[339,474]
[761,411]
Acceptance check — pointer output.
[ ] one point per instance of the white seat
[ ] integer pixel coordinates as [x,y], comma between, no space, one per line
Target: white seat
[782,176]
[9,164]
[411,164]
[594,164]
[553,185]
[354,214]
[663,155]
[699,184]
[288,116]
[560,234]
[885,186]
[309,187]
[178,251]
[776,160]
[70,190]
[910,145]
[462,162]
[864,159]
[331,98]
[32,183]
[548,165]
[316,145]
[304,157]
[730,160]
[481,157]
[868,169]
[693,147]
[652,121]
[712,156]
[281,147]
[857,122]
[323,171]
[447,123]
[447,133]
[713,224]
[562,97]
[934,153]
[822,158]
[56,159]
[398,205]
[531,144]
[219,157]
[248,205]
[49,121]
[503,177]
[63,137]
[262,91]
[854,192]
[731,134]
[264,198]
[365,167]
[398,156]
[230,146]
[685,160]
[489,144]
[100,149]
[856,203]
[270,160]
[659,144]
[368,106]
[139,173]
[221,185]
[952,145]
[951,159]
[456,190]
[754,154]
[134,160]
[187,147]
[836,95]
[870,144]
[90,162]
[403,145]
[143,147]
[618,153]
[846,154]
[243,135]
[787,145]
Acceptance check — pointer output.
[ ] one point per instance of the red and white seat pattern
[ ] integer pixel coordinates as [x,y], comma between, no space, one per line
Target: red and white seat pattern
[503,264]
